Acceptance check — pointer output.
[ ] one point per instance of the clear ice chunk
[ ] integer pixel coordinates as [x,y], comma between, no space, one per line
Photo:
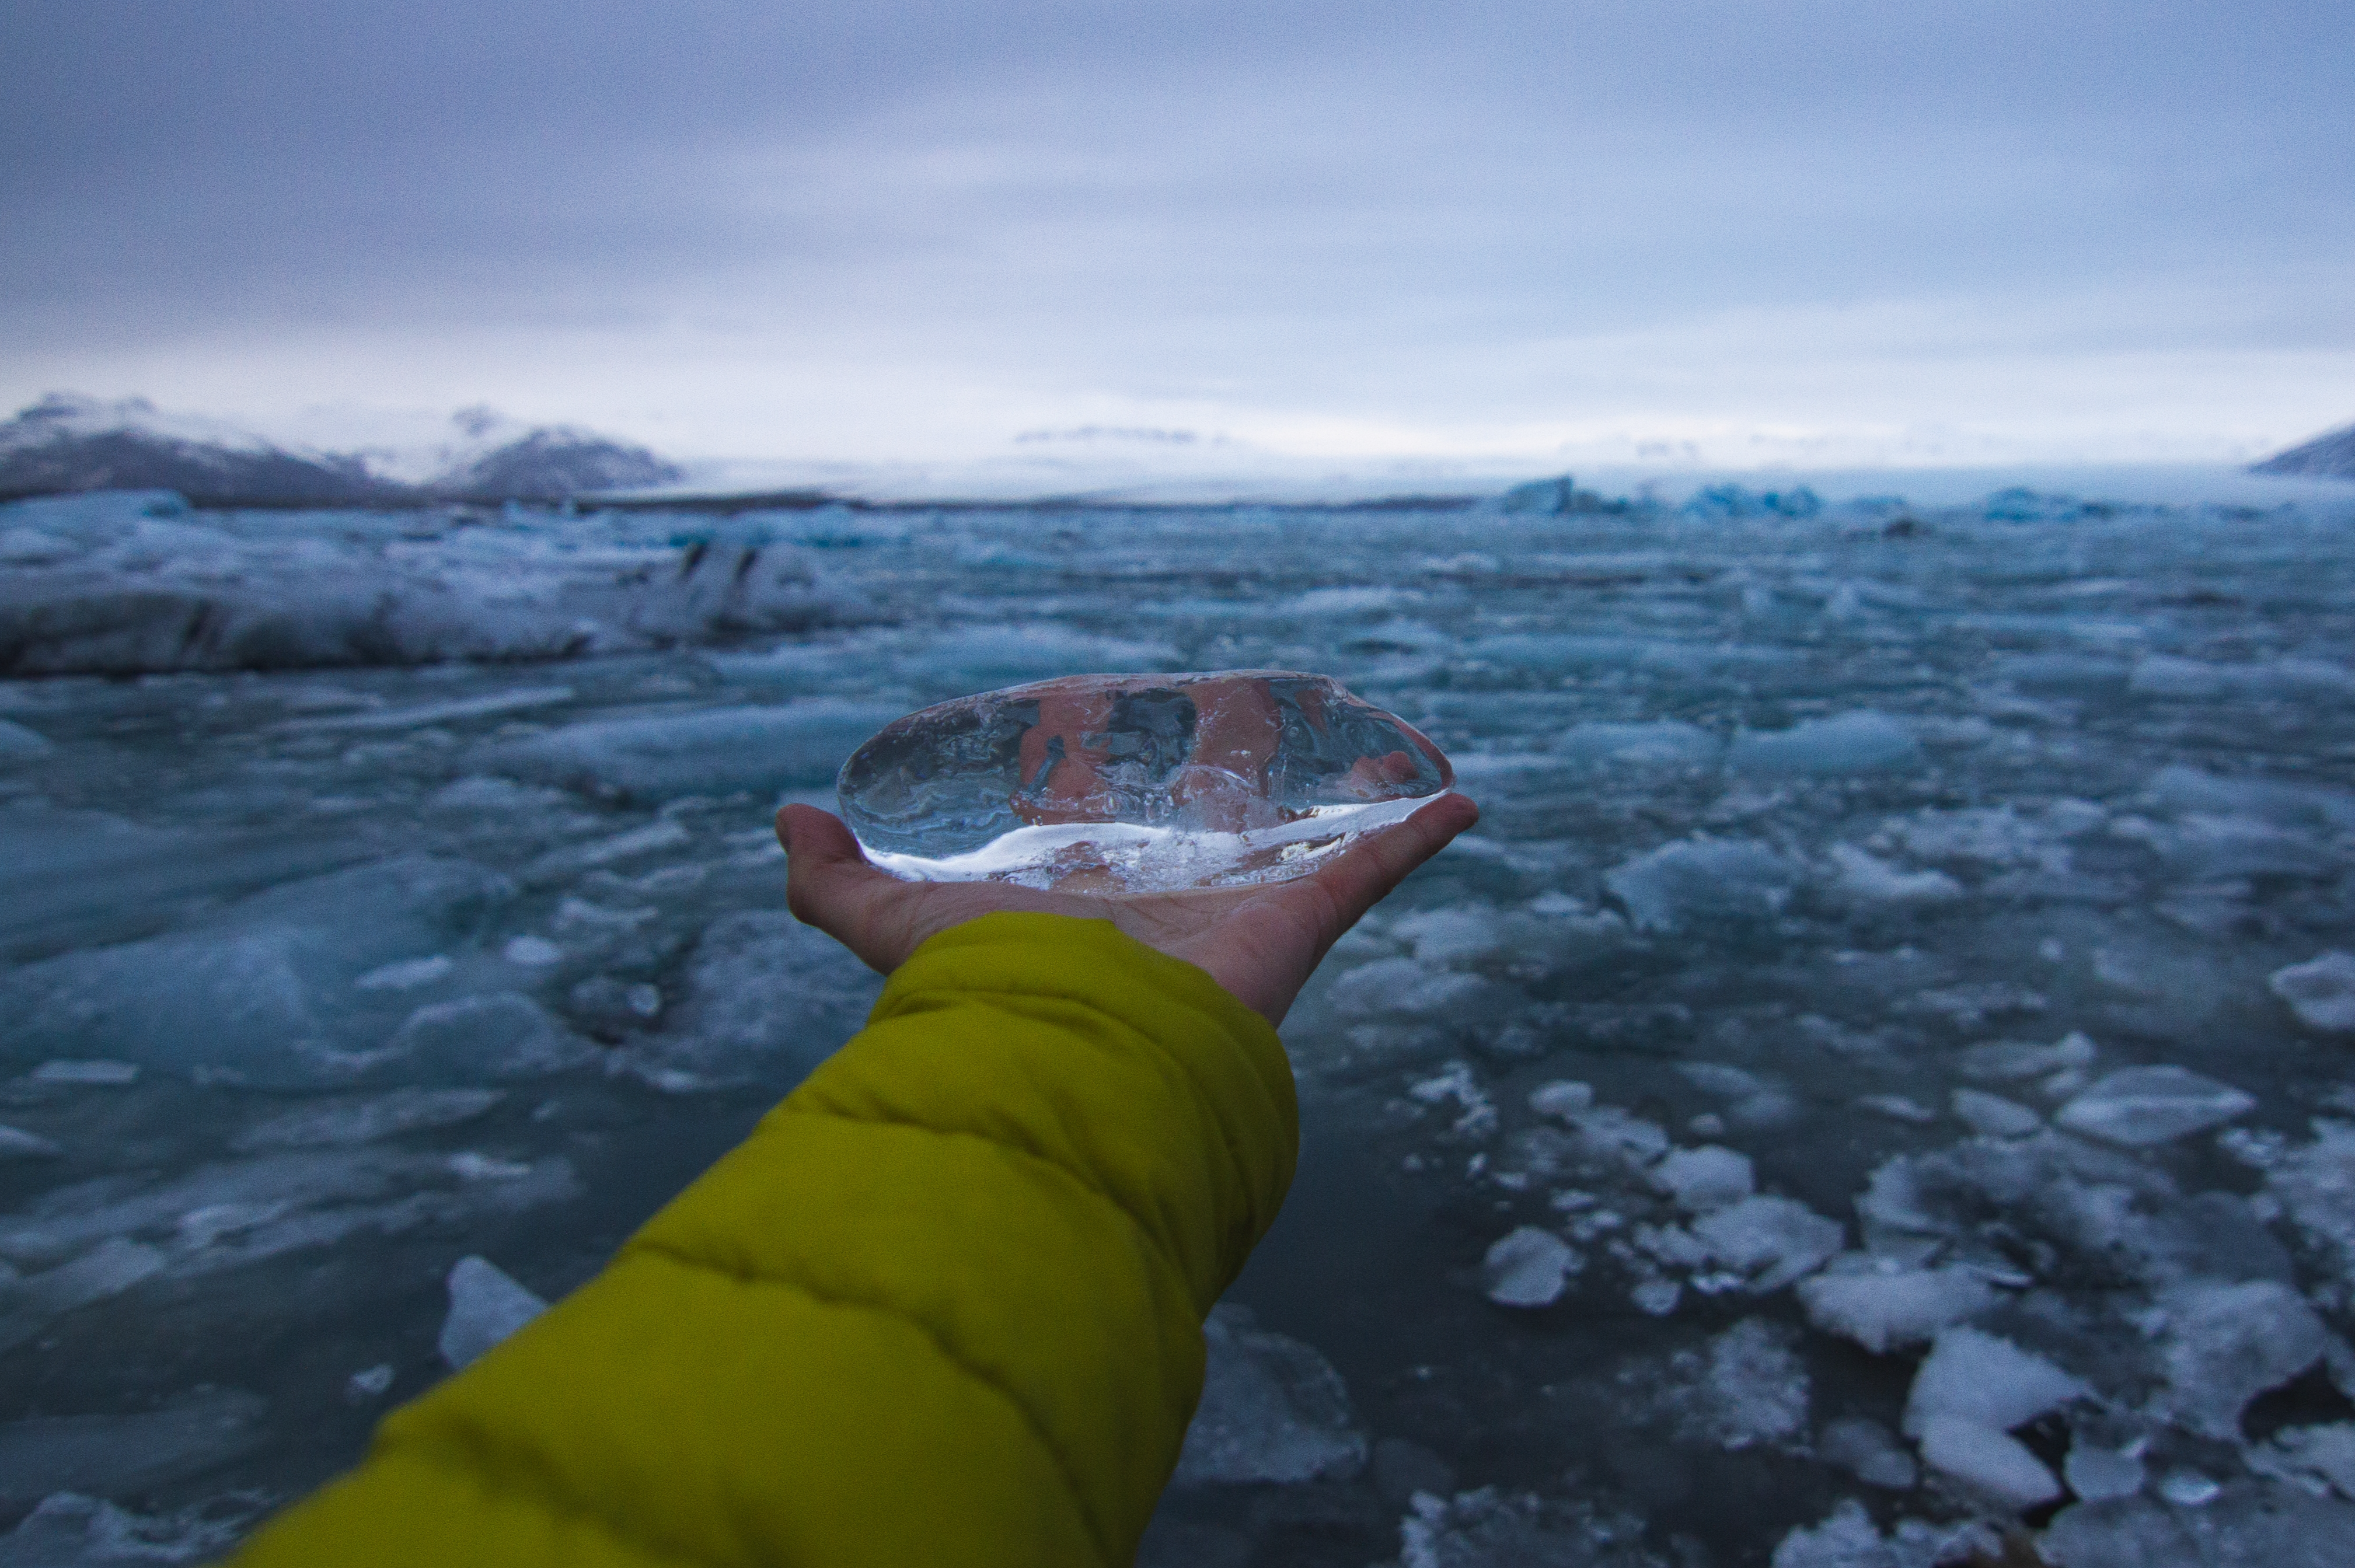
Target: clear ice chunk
[1125,783]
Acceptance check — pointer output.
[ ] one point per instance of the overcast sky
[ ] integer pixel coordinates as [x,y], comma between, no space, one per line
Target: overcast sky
[1745,231]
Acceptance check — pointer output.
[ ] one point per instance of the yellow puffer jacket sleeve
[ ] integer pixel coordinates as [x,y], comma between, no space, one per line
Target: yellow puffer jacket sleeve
[944,1306]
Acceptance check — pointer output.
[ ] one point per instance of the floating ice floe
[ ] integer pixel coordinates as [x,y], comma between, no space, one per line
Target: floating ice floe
[139,591]
[486,1306]
[1862,741]
[126,1455]
[1697,881]
[1272,1410]
[98,1072]
[702,750]
[2094,1473]
[1868,879]
[1884,1305]
[1659,744]
[1870,1452]
[2321,992]
[360,1119]
[20,744]
[1988,1463]
[2138,1106]
[1848,1539]
[261,990]
[1770,1241]
[1749,1388]
[1969,1394]
[2245,1525]
[1491,1529]
[2324,1452]
[767,999]
[2226,1344]
[1528,1267]
[70,1530]
[17,1144]
[2003,1060]
[1703,1178]
[504,1034]
[2315,1183]
[1409,988]
[1992,1116]
[2163,675]
[110,1268]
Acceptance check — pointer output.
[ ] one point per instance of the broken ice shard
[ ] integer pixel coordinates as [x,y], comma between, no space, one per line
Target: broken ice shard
[1127,784]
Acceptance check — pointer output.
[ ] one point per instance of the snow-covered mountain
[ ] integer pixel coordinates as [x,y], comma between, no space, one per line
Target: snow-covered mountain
[65,444]
[69,444]
[2330,455]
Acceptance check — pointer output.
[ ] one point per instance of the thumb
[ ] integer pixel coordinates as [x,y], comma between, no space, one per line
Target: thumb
[829,884]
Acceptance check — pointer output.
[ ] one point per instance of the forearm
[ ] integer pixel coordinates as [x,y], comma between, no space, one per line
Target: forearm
[943,1306]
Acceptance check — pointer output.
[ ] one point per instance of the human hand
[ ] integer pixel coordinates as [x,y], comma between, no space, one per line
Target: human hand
[1261,943]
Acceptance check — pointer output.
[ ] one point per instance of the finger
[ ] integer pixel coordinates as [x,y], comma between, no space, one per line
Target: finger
[1364,874]
[829,882]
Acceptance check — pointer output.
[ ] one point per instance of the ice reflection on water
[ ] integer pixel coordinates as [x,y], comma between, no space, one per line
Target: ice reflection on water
[1836,889]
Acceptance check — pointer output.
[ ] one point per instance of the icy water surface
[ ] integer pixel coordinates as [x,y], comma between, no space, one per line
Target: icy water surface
[1876,1078]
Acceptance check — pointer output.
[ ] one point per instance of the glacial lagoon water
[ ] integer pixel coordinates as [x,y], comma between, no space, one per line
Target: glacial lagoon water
[1880,1074]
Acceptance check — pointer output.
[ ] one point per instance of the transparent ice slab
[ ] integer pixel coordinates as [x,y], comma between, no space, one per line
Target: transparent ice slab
[1123,784]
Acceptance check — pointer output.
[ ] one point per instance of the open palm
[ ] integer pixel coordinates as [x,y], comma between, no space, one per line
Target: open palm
[1261,943]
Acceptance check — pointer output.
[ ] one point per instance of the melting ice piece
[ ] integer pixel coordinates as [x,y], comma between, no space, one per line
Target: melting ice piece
[1119,783]
[487,1305]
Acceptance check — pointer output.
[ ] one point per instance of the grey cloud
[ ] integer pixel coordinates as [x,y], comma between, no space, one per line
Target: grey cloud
[1190,196]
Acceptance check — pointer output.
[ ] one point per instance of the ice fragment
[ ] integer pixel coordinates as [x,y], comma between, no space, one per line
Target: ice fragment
[1529,1267]
[2189,1488]
[126,1454]
[2094,1473]
[1977,1377]
[1562,1098]
[2226,1344]
[532,952]
[1136,782]
[487,1305]
[1883,1304]
[364,1119]
[1700,882]
[1752,1389]
[368,1382]
[2142,1105]
[1988,1461]
[15,1144]
[63,1072]
[1898,1107]
[2325,1451]
[503,1035]
[1862,741]
[2241,1526]
[1272,1410]
[1846,1538]
[1773,1241]
[1868,878]
[2320,992]
[1702,1179]
[1869,1451]
[19,744]
[1992,1116]
[406,975]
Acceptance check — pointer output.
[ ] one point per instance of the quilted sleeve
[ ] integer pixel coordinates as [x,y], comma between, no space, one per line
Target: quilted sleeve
[944,1306]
